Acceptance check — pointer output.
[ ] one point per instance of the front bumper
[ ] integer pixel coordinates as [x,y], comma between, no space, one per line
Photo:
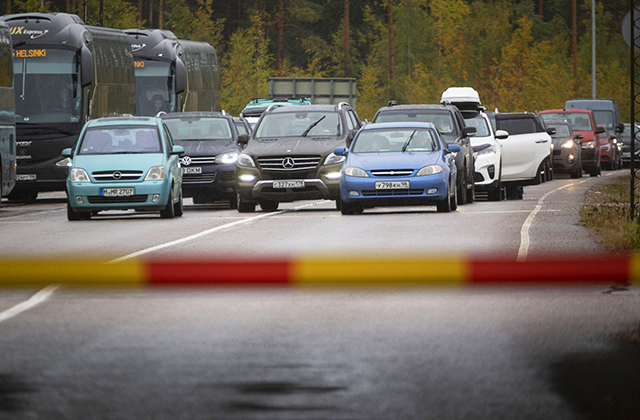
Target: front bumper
[85,196]
[565,160]
[215,181]
[41,176]
[487,172]
[363,190]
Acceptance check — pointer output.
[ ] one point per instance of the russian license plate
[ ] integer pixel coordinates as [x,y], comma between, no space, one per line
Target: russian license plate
[25,177]
[288,184]
[116,192]
[194,170]
[392,185]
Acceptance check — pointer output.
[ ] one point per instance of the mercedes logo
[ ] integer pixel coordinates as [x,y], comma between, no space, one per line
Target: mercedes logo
[186,161]
[288,163]
[117,175]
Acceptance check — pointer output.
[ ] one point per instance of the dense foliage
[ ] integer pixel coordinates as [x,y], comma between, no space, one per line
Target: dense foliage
[516,53]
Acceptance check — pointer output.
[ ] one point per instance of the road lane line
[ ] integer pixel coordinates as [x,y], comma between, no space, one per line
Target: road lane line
[524,231]
[204,233]
[33,301]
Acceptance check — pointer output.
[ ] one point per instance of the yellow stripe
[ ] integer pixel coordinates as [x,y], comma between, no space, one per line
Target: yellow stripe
[23,272]
[634,269]
[379,271]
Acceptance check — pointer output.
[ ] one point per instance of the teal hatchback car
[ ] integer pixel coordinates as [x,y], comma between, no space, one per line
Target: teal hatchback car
[124,163]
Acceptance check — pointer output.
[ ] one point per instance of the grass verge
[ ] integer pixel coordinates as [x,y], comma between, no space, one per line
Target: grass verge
[606,214]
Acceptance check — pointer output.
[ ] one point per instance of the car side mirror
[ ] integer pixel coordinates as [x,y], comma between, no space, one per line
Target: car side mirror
[502,134]
[340,151]
[177,150]
[86,72]
[181,76]
[620,128]
[469,132]
[479,147]
[599,130]
[578,137]
[453,148]
[243,139]
[551,131]
[68,152]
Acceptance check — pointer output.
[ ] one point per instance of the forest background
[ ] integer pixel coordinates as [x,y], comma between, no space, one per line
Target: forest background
[518,54]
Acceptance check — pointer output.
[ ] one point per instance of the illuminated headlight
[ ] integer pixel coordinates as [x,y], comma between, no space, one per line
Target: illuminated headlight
[247,177]
[332,175]
[567,144]
[605,147]
[430,170]
[491,150]
[588,145]
[64,162]
[227,158]
[333,159]
[353,171]
[79,175]
[156,173]
[245,160]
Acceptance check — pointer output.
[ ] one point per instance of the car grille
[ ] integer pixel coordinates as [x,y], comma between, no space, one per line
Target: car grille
[198,160]
[288,163]
[227,176]
[117,175]
[98,199]
[198,178]
[557,152]
[380,193]
[395,172]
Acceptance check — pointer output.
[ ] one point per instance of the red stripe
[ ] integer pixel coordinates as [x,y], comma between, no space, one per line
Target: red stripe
[608,269]
[217,272]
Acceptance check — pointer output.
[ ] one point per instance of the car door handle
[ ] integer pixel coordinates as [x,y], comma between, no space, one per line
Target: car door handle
[542,141]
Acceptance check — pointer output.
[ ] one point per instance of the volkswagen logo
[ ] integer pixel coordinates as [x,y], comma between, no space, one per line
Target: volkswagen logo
[186,161]
[117,175]
[288,163]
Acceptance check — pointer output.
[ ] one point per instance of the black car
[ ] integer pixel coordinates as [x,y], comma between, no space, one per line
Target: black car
[450,123]
[242,126]
[566,148]
[210,141]
[289,155]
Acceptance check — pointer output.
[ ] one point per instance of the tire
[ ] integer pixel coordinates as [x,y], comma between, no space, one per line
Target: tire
[576,173]
[462,192]
[73,216]
[28,197]
[338,204]
[178,208]
[496,193]
[233,202]
[245,206]
[351,208]
[547,171]
[471,194]
[444,206]
[169,210]
[537,180]
[269,205]
[454,200]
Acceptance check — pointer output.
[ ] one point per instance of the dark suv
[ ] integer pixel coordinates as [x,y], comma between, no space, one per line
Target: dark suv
[450,123]
[289,155]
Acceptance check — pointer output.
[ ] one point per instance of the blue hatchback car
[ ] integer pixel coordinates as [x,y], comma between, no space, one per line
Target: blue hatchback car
[398,164]
[124,163]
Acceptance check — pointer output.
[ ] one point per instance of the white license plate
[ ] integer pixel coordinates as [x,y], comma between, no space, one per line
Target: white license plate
[194,170]
[392,185]
[288,184]
[25,177]
[116,192]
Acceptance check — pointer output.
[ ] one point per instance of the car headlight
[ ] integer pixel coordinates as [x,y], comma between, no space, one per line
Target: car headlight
[568,144]
[245,160]
[156,173]
[430,170]
[79,175]
[588,145]
[333,159]
[353,171]
[227,158]
[605,147]
[64,162]
[491,150]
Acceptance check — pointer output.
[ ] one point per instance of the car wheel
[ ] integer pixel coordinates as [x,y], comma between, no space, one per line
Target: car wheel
[269,205]
[462,192]
[547,171]
[454,200]
[577,173]
[351,208]
[178,208]
[73,216]
[338,204]
[537,180]
[245,206]
[169,210]
[471,194]
[496,193]
[233,202]
[28,197]
[593,171]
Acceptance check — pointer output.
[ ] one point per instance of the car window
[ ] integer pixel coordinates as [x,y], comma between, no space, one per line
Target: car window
[350,125]
[604,118]
[561,131]
[241,128]
[354,118]
[120,140]
[578,120]
[295,124]
[199,128]
[515,126]
[398,140]
[478,121]
[442,120]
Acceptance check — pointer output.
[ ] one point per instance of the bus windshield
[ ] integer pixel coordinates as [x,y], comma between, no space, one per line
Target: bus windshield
[46,86]
[154,87]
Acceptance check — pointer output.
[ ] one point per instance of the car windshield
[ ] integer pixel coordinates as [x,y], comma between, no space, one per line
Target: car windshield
[578,120]
[480,123]
[561,131]
[120,140]
[396,140]
[296,124]
[442,120]
[604,118]
[184,129]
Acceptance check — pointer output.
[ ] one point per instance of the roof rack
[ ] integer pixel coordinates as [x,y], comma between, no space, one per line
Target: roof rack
[272,106]
[392,102]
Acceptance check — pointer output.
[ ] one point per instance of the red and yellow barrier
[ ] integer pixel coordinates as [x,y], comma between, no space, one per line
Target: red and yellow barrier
[309,271]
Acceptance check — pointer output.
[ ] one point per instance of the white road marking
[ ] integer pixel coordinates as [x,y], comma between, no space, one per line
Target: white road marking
[33,301]
[524,231]
[204,233]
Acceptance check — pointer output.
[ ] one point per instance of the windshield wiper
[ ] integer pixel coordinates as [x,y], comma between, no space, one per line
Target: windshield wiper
[406,143]
[312,125]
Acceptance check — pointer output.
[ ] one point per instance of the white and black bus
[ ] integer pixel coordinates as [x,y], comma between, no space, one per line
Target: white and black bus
[172,74]
[64,73]
[7,115]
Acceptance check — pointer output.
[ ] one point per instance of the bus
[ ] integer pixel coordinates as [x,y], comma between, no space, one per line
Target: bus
[7,115]
[172,74]
[64,74]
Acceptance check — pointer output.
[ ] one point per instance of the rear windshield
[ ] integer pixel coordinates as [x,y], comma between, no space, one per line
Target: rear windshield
[120,140]
[578,120]
[398,140]
[441,119]
[199,128]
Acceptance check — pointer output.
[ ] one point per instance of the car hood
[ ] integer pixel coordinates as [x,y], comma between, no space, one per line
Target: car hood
[207,147]
[394,160]
[140,162]
[294,146]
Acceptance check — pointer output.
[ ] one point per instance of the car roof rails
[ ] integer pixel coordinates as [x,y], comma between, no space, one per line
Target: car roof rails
[341,104]
[272,106]
[392,102]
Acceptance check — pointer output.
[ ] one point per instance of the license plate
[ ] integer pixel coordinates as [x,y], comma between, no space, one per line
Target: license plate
[392,185]
[116,192]
[288,184]
[27,177]
[194,170]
